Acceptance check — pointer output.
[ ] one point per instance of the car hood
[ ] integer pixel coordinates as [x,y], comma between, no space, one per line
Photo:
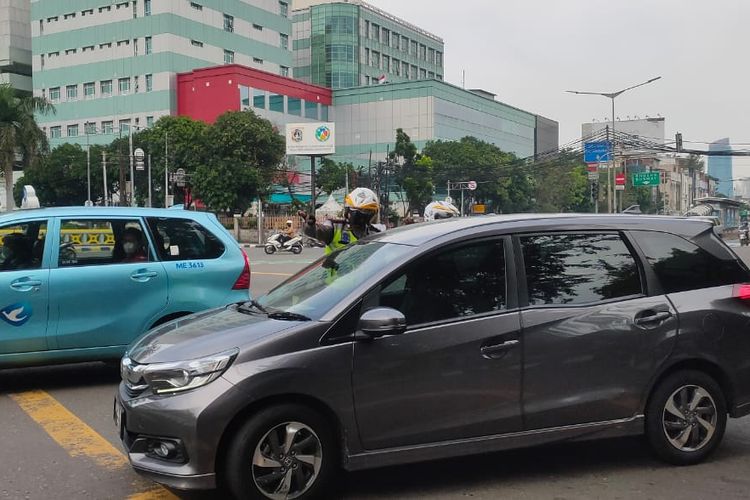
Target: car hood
[204,334]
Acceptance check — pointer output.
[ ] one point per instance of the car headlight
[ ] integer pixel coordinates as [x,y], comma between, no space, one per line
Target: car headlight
[169,378]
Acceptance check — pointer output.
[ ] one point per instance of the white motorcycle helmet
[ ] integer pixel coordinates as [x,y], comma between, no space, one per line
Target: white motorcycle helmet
[362,206]
[440,210]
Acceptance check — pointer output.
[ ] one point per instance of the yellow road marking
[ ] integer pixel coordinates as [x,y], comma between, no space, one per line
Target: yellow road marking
[286,275]
[80,440]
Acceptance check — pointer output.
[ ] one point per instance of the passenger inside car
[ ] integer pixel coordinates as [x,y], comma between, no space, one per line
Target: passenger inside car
[16,253]
[131,247]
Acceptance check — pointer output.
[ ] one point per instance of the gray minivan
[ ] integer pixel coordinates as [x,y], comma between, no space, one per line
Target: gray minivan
[447,339]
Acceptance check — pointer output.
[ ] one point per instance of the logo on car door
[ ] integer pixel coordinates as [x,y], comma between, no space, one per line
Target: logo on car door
[16,314]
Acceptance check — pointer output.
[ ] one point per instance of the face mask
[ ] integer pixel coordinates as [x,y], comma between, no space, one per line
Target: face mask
[129,247]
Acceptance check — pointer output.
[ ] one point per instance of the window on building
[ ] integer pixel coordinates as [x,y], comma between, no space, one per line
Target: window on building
[423,52]
[439,58]
[149,121]
[89,90]
[55,132]
[324,113]
[284,9]
[135,46]
[71,15]
[414,48]
[366,34]
[136,89]
[284,41]
[196,6]
[569,269]
[375,31]
[294,106]
[72,130]
[135,10]
[422,73]
[87,12]
[106,8]
[311,110]
[124,126]
[414,72]
[228,23]
[244,97]
[228,57]
[258,27]
[105,87]
[53,54]
[70,51]
[430,75]
[431,56]
[87,48]
[284,71]
[123,5]
[367,57]
[89,128]
[259,99]
[122,43]
[396,67]
[439,77]
[52,19]
[385,36]
[124,85]
[71,92]
[386,64]
[257,60]
[106,45]
[41,60]
[149,82]
[196,43]
[107,127]
[376,59]
[276,103]
[146,7]
[404,44]
[148,45]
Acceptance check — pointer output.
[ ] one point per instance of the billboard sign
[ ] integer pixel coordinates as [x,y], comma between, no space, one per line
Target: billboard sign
[310,139]
[596,152]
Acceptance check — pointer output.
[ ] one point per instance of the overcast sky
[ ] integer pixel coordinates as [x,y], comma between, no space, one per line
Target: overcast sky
[529,52]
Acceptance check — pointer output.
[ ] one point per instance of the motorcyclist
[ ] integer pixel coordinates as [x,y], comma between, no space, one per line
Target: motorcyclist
[360,208]
[440,210]
[287,233]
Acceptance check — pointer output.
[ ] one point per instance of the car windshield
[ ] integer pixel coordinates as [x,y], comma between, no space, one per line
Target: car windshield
[315,290]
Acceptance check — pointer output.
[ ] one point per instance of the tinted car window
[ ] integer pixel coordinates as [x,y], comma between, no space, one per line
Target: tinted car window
[455,283]
[578,268]
[184,239]
[681,265]
[91,242]
[22,246]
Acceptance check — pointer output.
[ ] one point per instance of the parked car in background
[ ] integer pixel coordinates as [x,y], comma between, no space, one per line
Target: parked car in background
[447,339]
[80,284]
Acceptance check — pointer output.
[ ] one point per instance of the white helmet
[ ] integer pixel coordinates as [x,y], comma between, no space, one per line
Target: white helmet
[289,222]
[363,200]
[440,210]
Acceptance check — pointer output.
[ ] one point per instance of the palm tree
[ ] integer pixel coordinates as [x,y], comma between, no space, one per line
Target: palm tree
[19,133]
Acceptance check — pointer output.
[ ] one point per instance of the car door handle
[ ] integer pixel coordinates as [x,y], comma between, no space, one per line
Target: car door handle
[143,276]
[492,351]
[25,285]
[653,318]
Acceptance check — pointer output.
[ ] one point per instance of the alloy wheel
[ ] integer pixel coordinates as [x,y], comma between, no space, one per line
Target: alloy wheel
[690,417]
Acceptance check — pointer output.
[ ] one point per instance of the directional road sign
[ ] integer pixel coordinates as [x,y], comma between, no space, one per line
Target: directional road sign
[596,152]
[646,179]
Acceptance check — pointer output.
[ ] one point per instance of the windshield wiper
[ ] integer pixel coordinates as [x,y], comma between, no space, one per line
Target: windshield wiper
[253,303]
[288,316]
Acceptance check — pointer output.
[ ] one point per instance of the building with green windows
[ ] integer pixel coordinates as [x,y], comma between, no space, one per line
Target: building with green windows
[15,44]
[111,65]
[342,44]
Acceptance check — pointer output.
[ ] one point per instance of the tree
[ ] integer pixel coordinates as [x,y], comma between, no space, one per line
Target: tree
[503,182]
[19,133]
[244,153]
[332,175]
[562,184]
[413,172]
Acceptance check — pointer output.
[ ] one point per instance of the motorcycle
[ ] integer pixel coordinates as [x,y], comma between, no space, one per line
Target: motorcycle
[744,237]
[273,245]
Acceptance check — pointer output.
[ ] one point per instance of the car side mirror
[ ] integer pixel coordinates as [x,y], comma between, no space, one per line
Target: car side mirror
[379,322]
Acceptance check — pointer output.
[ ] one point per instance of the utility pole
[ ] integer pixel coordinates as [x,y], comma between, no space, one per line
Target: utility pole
[166,169]
[121,190]
[88,164]
[149,181]
[132,169]
[104,175]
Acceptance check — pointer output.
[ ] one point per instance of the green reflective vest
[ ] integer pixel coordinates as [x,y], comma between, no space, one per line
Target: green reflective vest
[342,237]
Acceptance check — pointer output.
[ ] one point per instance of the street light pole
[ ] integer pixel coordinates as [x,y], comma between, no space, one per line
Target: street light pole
[613,96]
[132,169]
[88,164]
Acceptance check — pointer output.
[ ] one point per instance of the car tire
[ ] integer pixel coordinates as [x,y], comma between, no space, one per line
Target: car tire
[686,417]
[270,249]
[254,470]
[297,249]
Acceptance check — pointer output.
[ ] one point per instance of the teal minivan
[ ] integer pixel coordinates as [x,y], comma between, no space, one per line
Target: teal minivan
[80,284]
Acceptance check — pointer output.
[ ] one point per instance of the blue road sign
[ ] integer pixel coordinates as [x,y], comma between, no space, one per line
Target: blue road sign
[596,152]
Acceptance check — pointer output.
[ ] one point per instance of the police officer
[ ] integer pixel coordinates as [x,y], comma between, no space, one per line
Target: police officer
[360,208]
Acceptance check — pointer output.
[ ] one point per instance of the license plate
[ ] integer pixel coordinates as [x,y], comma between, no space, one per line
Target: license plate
[118,413]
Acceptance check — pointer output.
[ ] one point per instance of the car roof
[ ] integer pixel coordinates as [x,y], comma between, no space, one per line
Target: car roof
[96,212]
[419,234]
